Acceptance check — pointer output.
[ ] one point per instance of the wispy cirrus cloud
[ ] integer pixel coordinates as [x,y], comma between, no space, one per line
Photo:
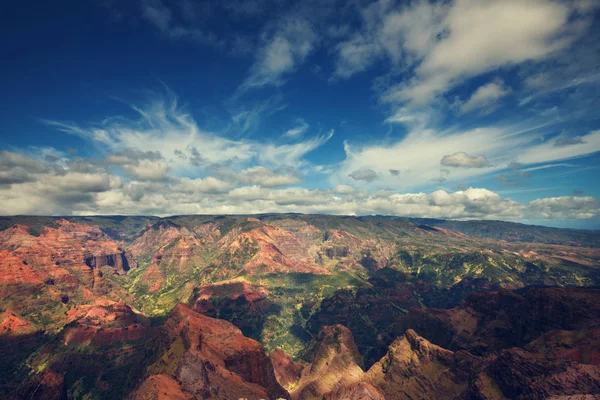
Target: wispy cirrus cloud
[298,130]
[162,17]
[166,129]
[470,154]
[284,46]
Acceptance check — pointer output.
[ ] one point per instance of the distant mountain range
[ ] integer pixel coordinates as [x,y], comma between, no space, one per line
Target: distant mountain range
[347,307]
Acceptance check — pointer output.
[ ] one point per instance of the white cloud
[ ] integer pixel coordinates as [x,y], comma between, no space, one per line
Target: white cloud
[566,207]
[161,17]
[165,129]
[298,130]
[292,154]
[284,48]
[344,189]
[549,151]
[438,45]
[202,185]
[264,177]
[418,155]
[546,166]
[54,191]
[485,96]
[476,37]
[148,171]
[462,159]
[400,36]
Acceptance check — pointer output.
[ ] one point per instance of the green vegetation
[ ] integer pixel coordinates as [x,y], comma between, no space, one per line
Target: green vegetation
[368,272]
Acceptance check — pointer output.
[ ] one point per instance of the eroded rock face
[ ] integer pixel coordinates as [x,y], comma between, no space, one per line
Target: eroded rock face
[42,271]
[160,387]
[335,363]
[237,301]
[212,359]
[287,371]
[12,325]
[360,391]
[118,260]
[414,368]
[105,325]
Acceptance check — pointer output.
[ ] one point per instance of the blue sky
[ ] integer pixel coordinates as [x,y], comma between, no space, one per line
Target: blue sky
[457,109]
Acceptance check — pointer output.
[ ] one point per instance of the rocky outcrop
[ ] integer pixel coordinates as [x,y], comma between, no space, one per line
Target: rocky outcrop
[160,387]
[13,325]
[210,358]
[275,251]
[335,362]
[287,371]
[360,391]
[414,368]
[105,325]
[487,322]
[369,312]
[119,261]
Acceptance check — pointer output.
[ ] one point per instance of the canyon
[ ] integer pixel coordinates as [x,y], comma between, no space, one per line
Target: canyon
[296,307]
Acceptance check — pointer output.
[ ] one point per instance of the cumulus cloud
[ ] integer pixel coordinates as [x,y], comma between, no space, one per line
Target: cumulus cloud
[18,168]
[264,177]
[132,157]
[365,174]
[566,207]
[54,191]
[462,159]
[344,189]
[208,185]
[148,171]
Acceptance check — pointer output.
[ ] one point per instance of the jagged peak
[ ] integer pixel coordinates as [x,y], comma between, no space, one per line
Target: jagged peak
[339,339]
